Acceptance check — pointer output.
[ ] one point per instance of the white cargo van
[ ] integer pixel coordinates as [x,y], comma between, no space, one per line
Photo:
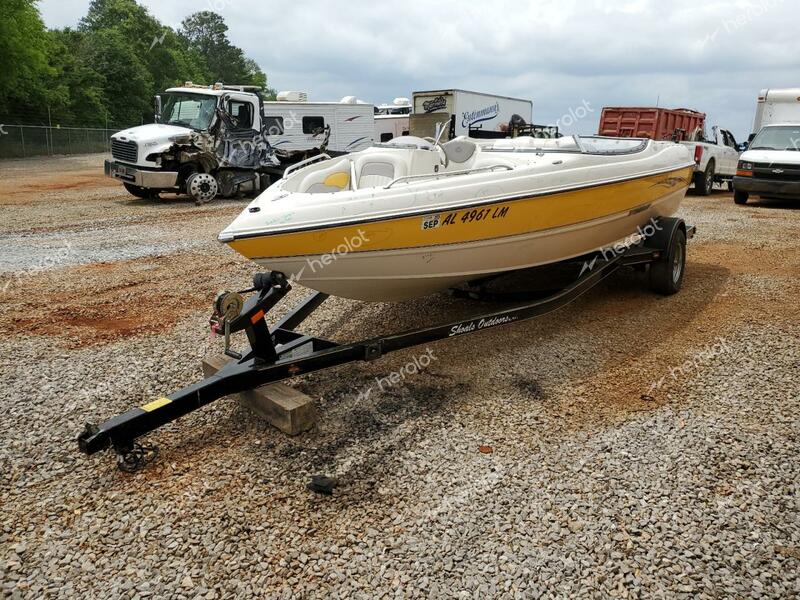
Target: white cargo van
[466,112]
[771,166]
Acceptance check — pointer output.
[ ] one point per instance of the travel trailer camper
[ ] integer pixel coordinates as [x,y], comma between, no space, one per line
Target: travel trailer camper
[392,120]
[296,126]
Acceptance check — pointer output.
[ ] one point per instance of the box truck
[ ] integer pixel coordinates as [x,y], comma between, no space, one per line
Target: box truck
[776,107]
[463,112]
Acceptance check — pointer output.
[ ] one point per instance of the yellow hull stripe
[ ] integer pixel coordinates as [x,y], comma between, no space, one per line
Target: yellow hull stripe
[498,219]
[156,404]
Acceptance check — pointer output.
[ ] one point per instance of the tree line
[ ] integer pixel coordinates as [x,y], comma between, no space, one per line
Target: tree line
[106,70]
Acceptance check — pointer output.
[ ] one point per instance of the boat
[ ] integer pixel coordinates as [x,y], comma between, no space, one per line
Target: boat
[413,217]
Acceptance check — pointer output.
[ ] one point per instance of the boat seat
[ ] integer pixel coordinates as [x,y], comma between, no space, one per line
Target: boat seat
[334,178]
[379,169]
[459,150]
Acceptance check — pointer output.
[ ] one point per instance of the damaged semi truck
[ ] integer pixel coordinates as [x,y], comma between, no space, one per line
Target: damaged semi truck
[211,141]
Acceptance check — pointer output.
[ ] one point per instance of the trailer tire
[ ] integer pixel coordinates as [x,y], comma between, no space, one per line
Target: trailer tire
[666,274]
[704,182]
[740,197]
[140,192]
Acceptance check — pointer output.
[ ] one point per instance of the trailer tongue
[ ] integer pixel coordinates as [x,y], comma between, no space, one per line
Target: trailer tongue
[279,352]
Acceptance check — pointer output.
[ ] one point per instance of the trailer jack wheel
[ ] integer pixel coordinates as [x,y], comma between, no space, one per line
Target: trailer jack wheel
[136,457]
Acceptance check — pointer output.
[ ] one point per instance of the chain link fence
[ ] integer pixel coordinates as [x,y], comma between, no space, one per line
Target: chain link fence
[20,141]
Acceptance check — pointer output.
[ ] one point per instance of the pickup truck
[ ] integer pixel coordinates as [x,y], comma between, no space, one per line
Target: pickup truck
[771,165]
[715,159]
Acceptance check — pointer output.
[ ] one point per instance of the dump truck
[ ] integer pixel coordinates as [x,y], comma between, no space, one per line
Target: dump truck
[716,157]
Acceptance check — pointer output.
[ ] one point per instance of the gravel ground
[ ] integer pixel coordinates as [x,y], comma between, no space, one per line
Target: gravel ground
[627,446]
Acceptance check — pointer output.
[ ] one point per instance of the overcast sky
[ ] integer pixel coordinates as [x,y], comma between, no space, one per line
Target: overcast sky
[709,55]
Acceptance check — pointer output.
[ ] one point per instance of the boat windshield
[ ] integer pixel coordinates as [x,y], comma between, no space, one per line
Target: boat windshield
[589,144]
[188,110]
[406,141]
[592,144]
[778,138]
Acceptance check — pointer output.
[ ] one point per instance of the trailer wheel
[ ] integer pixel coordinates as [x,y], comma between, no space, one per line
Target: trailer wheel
[704,182]
[141,192]
[666,275]
[740,197]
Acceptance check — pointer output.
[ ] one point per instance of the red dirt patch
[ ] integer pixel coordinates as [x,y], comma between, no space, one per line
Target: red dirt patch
[105,301]
[67,183]
[43,182]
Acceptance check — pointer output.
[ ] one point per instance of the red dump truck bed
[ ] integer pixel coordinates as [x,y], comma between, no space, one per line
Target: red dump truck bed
[653,123]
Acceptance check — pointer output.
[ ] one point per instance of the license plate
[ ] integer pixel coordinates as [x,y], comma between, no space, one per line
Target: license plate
[119,171]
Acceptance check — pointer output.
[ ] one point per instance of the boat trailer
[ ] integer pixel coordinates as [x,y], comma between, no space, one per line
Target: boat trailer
[279,352]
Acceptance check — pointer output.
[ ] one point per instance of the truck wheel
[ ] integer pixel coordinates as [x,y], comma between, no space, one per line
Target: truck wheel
[666,274]
[202,187]
[141,192]
[704,182]
[740,197]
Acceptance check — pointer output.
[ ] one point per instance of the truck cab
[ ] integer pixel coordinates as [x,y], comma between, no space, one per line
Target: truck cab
[206,140]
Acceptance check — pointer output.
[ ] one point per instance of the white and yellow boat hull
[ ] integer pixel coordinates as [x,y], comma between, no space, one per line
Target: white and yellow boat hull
[421,250]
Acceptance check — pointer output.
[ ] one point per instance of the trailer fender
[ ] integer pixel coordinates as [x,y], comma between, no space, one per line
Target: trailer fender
[665,232]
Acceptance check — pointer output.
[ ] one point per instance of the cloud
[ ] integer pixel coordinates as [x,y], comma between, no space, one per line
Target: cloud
[712,56]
